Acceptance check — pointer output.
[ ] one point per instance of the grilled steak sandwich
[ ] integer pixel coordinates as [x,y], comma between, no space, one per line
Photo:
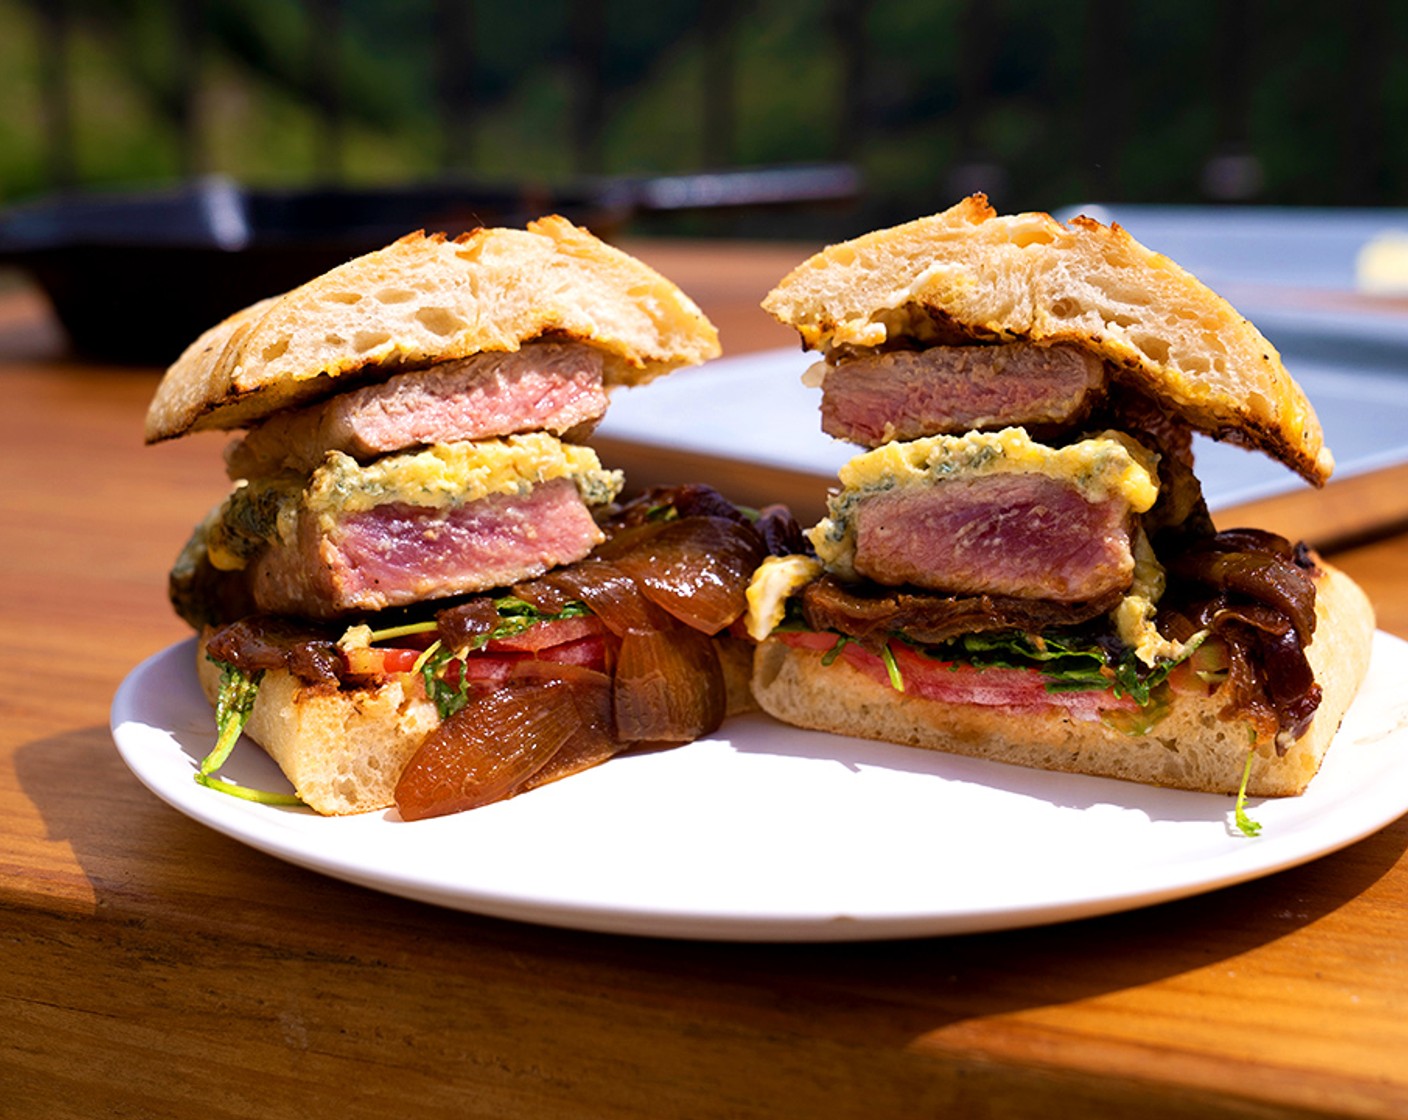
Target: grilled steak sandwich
[412,517]
[1022,566]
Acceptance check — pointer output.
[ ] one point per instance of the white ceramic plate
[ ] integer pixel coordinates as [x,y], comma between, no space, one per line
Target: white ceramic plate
[767,833]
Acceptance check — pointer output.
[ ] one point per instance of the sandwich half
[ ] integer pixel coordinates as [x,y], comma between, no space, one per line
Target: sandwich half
[1022,566]
[408,472]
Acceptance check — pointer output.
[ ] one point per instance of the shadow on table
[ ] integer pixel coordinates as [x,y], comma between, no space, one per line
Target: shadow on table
[242,946]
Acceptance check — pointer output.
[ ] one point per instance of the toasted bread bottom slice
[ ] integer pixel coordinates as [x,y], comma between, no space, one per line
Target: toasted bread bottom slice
[1191,748]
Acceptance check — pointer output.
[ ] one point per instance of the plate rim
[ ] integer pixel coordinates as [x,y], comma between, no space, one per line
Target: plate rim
[266,829]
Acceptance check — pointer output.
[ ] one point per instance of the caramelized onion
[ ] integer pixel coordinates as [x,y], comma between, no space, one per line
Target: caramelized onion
[1255,591]
[780,533]
[1265,619]
[1271,681]
[1252,540]
[696,568]
[486,750]
[608,592]
[669,686]
[1263,576]
[263,641]
[689,500]
[461,624]
[869,613]
[674,570]
[595,740]
[1290,681]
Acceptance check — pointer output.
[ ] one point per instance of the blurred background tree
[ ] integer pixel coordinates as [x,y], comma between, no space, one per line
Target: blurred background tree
[1040,104]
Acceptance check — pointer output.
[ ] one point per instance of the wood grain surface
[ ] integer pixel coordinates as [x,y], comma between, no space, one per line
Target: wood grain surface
[152,968]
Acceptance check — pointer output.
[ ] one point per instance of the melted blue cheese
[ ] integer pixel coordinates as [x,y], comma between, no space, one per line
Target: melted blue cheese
[452,474]
[776,579]
[1105,466]
[253,514]
[1134,617]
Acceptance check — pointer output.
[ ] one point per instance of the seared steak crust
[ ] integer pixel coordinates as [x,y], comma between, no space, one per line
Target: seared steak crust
[869,613]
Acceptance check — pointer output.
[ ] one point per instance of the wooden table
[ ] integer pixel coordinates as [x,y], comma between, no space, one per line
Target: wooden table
[150,967]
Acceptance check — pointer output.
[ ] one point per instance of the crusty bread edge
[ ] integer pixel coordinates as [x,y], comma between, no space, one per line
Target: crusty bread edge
[1191,748]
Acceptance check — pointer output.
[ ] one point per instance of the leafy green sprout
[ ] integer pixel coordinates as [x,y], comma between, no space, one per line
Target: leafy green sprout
[1245,825]
[234,702]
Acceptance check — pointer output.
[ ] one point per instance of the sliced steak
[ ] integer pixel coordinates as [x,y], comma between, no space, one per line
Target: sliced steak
[1026,535]
[544,386]
[395,554]
[949,390]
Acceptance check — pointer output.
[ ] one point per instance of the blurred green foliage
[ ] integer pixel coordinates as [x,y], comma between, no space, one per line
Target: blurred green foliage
[1043,104]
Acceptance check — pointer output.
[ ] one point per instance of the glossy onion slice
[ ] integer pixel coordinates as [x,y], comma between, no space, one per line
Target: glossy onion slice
[461,625]
[595,741]
[779,531]
[1261,576]
[697,568]
[691,499]
[264,641]
[487,749]
[669,686]
[608,592]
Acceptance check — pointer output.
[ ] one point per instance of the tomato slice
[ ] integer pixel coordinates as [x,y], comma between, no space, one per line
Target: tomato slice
[375,661]
[590,653]
[481,667]
[552,632]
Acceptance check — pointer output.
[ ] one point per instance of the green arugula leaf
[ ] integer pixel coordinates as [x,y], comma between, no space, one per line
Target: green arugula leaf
[1245,825]
[1067,664]
[892,667]
[835,651]
[515,616]
[234,702]
[448,698]
[427,627]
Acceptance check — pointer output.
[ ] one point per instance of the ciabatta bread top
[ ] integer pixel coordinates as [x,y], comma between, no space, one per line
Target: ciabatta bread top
[1028,276]
[426,299]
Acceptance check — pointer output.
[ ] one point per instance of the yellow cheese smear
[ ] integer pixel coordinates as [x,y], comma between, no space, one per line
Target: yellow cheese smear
[1102,467]
[776,579]
[451,474]
[1134,617]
